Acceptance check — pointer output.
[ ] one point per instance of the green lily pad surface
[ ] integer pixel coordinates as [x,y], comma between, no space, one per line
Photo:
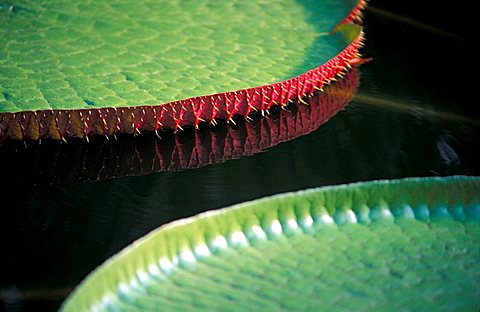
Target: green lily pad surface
[93,54]
[411,244]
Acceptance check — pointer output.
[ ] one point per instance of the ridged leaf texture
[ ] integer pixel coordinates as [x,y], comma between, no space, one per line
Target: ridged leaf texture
[381,245]
[95,54]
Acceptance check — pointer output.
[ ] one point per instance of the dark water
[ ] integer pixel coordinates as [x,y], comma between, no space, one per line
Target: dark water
[414,115]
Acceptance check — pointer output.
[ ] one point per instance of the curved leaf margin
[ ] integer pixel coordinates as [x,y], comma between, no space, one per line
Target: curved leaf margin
[180,243]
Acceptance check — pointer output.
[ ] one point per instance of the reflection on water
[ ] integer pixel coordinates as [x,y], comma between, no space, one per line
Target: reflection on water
[53,235]
[415,109]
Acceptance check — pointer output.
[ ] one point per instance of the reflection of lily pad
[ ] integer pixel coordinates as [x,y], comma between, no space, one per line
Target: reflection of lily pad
[80,58]
[383,245]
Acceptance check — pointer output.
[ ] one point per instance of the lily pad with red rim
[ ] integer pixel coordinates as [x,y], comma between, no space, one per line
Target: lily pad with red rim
[74,69]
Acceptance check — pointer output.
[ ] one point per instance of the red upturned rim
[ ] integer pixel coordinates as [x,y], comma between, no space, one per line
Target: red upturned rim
[197,149]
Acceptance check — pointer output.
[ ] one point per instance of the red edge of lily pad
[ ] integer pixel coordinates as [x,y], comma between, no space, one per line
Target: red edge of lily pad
[82,123]
[178,152]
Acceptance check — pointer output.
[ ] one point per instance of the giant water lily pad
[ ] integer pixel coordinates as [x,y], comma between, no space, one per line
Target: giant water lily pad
[101,67]
[410,244]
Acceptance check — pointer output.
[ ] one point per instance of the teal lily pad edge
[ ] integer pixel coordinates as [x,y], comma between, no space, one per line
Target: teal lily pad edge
[182,242]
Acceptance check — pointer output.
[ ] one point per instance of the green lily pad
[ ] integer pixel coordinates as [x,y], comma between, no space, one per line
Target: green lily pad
[93,55]
[410,244]
[71,54]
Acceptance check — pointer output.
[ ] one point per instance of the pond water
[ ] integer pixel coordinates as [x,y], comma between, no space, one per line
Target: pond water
[413,115]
